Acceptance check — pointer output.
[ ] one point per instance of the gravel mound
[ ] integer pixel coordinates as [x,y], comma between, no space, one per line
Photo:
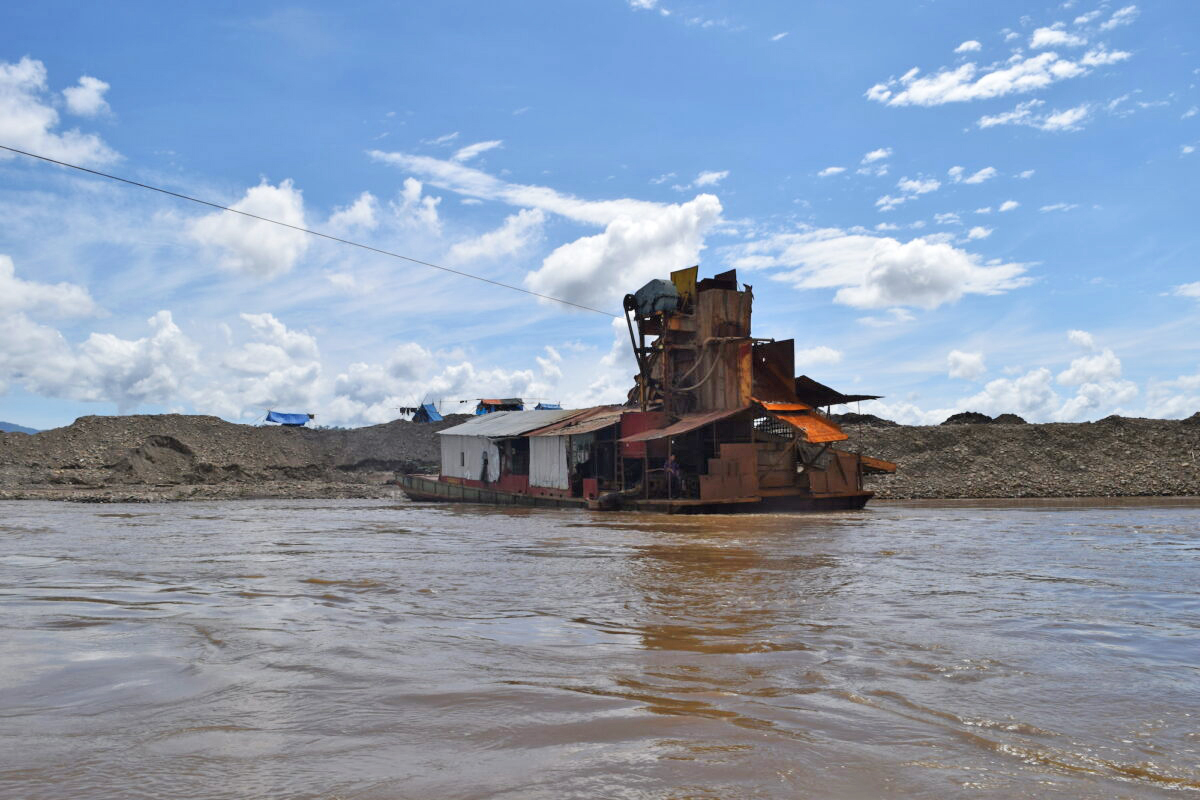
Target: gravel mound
[173,456]
[1115,457]
[851,418]
[967,418]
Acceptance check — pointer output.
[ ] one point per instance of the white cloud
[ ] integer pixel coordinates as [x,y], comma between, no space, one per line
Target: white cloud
[643,5]
[825,173]
[103,368]
[877,155]
[1191,112]
[666,176]
[278,368]
[1188,290]
[1070,119]
[1186,149]
[878,272]
[27,119]
[947,218]
[1031,395]
[1082,339]
[415,209]
[445,138]
[252,246]
[518,232]
[363,214]
[1084,19]
[987,173]
[815,356]
[778,36]
[632,249]
[710,178]
[1009,205]
[1101,57]
[87,99]
[1026,174]
[59,300]
[918,185]
[979,232]
[967,366]
[969,46]
[969,82]
[459,178]
[1124,16]
[472,150]
[1097,378]
[133,373]
[641,239]
[1059,207]
[888,202]
[1055,36]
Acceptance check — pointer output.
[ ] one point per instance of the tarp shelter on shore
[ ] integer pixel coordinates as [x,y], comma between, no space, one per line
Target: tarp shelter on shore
[291,420]
[491,406]
[426,412]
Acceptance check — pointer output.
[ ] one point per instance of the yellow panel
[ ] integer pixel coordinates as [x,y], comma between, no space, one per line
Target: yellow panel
[685,284]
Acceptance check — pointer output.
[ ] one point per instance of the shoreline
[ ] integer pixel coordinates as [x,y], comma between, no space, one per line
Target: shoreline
[174,457]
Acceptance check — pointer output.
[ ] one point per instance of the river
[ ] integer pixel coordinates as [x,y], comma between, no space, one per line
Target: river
[381,650]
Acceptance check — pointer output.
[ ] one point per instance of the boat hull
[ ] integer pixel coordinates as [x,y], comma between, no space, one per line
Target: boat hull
[428,488]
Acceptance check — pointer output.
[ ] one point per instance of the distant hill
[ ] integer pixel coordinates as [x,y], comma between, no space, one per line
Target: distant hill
[8,427]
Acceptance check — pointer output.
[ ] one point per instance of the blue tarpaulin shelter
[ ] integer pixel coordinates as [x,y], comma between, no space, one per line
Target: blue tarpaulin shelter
[547,407]
[487,406]
[294,420]
[426,413]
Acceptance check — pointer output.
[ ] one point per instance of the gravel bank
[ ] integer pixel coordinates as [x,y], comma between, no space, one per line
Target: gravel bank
[179,457]
[183,457]
[1114,457]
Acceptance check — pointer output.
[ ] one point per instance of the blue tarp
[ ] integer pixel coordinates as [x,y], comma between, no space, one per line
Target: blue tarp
[548,407]
[287,419]
[427,413]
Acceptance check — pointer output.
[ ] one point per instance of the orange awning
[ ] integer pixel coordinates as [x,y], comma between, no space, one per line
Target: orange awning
[813,425]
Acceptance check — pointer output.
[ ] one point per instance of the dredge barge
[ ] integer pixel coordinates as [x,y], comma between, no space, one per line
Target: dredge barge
[717,422]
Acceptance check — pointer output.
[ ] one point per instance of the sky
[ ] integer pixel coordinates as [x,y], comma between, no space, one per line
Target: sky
[957,205]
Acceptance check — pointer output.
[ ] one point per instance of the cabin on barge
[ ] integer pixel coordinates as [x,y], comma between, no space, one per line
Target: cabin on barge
[717,421]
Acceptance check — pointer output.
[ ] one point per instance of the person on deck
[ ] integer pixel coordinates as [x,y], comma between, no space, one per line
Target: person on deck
[674,476]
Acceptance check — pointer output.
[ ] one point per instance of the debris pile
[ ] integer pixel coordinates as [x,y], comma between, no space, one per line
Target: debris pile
[1114,457]
[176,457]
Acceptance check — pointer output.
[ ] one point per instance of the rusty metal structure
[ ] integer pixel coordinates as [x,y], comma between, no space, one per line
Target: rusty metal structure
[717,421]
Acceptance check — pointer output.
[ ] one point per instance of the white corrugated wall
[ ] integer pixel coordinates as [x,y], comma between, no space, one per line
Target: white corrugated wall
[548,462]
[462,457]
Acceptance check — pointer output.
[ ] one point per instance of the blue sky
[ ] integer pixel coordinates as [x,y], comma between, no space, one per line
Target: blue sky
[954,204]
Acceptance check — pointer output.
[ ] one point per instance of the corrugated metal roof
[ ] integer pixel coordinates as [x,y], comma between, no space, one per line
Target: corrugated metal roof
[586,421]
[500,424]
[688,422]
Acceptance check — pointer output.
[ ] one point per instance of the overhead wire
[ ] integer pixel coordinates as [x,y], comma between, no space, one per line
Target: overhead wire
[309,231]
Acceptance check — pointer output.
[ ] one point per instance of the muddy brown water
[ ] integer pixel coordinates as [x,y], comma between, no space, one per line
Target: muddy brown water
[376,649]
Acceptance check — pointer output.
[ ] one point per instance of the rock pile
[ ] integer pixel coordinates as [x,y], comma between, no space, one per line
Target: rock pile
[1114,457]
[175,456]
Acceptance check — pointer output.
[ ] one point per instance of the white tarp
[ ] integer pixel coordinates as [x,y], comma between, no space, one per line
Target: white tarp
[462,457]
[548,465]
